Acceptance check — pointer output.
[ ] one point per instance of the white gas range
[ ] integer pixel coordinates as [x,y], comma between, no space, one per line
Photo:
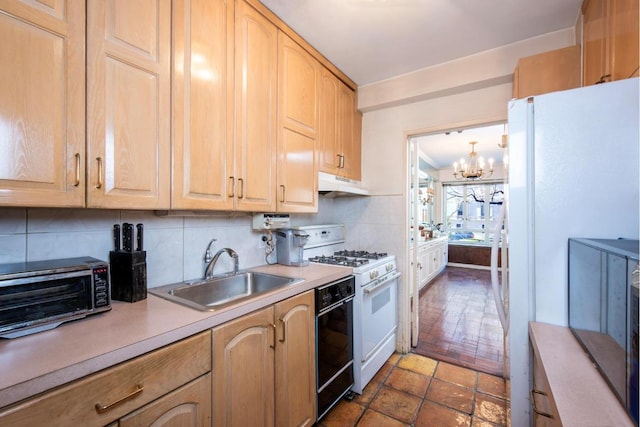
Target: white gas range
[375,308]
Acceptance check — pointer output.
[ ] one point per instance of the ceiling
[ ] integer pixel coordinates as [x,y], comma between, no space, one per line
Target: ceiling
[373,40]
[443,149]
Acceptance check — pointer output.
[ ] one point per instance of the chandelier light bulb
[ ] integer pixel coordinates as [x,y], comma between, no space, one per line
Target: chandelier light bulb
[474,167]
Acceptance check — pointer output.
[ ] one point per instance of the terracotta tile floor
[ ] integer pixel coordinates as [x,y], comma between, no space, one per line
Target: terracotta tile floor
[414,390]
[459,323]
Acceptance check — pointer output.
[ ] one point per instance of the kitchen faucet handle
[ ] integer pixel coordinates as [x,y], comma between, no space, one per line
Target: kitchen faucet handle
[208,256]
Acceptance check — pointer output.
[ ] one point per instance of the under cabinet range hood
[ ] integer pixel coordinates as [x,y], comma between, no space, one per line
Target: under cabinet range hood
[337,186]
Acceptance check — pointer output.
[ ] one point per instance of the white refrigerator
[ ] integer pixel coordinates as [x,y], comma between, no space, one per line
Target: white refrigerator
[573,172]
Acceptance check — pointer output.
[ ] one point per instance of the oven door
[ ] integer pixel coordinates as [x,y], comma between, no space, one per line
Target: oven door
[38,303]
[334,354]
[379,313]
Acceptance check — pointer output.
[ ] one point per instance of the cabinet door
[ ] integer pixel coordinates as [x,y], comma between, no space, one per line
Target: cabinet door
[42,93]
[423,266]
[549,72]
[595,63]
[356,169]
[298,83]
[202,85]
[624,39]
[545,413]
[128,92]
[243,361]
[350,166]
[295,361]
[256,108]
[328,141]
[190,405]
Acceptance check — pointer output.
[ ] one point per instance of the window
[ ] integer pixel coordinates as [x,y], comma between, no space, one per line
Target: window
[471,211]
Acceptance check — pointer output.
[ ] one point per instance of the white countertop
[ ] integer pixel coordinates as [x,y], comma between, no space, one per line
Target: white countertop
[35,363]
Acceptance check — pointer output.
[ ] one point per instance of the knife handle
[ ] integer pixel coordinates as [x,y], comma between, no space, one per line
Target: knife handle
[127,234]
[116,237]
[139,237]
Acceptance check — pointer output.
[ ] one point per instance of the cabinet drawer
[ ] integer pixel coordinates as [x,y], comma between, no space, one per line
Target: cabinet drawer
[121,389]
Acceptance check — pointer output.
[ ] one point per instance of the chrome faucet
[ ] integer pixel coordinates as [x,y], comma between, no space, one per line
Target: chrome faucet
[208,272]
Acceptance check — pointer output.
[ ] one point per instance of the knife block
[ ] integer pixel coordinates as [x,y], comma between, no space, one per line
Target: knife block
[128,275]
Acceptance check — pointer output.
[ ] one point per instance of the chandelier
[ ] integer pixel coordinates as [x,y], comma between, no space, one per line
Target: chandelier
[473,168]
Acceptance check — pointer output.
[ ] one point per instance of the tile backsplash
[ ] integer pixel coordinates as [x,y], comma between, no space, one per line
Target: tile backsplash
[175,245]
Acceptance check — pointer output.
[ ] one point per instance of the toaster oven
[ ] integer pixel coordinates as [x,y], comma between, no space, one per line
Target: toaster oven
[40,295]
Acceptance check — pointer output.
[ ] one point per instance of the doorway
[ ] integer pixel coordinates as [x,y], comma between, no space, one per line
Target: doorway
[454,317]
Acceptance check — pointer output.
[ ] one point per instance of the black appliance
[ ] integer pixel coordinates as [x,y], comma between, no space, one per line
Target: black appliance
[40,295]
[334,342]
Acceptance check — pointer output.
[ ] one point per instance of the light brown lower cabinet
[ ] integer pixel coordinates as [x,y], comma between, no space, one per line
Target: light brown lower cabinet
[170,386]
[545,413]
[264,366]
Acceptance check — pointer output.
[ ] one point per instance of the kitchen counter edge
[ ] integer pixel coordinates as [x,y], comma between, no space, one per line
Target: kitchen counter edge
[36,363]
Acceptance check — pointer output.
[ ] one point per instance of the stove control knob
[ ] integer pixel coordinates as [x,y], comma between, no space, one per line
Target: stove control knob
[389,267]
[326,298]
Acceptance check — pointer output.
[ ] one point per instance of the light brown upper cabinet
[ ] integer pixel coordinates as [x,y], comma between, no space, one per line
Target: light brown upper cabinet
[256,102]
[328,140]
[547,72]
[610,40]
[128,104]
[202,85]
[350,141]
[339,145]
[338,137]
[298,101]
[42,93]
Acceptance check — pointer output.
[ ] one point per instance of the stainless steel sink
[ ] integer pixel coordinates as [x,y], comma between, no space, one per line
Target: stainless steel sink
[220,291]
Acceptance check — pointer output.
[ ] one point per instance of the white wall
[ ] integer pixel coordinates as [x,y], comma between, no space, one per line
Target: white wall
[384,132]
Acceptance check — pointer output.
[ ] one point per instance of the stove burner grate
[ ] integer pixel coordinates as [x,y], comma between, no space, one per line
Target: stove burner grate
[361,254]
[339,260]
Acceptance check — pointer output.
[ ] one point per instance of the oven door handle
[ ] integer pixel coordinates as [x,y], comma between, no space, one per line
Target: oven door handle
[382,281]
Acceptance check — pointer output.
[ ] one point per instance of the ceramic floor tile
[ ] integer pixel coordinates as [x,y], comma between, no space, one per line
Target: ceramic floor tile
[456,375]
[343,414]
[479,422]
[383,373]
[368,393]
[490,384]
[458,308]
[373,418]
[408,381]
[451,395]
[393,360]
[460,330]
[396,404]
[491,409]
[434,415]
[419,364]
